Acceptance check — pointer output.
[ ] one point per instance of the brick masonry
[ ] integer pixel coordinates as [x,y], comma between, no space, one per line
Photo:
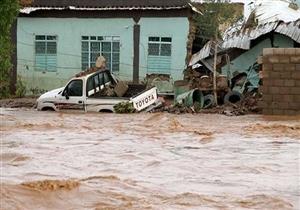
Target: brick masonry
[281,81]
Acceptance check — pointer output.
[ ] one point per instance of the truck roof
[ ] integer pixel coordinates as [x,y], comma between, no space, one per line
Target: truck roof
[89,72]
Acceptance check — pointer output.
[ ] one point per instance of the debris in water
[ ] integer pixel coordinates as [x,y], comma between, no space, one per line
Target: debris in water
[277,130]
[52,185]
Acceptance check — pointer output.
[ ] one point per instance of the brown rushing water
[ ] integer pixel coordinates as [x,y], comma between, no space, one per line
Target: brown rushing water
[148,161]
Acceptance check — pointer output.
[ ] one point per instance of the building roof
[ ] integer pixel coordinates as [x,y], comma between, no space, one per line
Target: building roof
[291,30]
[105,5]
[267,11]
[280,16]
[207,51]
[242,39]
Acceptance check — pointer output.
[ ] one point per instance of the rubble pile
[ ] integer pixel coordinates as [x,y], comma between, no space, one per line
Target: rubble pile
[163,82]
[198,80]
[237,95]
[203,80]
[87,71]
[248,105]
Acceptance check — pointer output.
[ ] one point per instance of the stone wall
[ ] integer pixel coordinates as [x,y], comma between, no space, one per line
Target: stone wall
[281,81]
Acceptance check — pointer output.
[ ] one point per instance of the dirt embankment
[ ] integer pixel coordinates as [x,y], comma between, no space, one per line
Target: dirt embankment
[27,102]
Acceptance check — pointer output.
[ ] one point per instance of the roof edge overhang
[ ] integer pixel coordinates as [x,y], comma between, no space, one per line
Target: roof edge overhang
[28,10]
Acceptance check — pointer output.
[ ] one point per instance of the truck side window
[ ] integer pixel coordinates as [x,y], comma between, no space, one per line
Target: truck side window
[101,79]
[97,82]
[106,78]
[74,88]
[90,88]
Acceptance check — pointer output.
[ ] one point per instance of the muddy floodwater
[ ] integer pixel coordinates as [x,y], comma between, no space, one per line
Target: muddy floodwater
[73,161]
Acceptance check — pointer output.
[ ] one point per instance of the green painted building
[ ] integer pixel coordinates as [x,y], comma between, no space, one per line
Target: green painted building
[57,39]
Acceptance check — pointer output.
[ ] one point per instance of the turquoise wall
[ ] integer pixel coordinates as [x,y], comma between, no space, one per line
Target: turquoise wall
[69,32]
[177,29]
[247,59]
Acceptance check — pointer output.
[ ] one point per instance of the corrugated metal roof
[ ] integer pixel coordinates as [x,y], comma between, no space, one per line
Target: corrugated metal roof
[206,51]
[242,39]
[275,10]
[291,30]
[269,15]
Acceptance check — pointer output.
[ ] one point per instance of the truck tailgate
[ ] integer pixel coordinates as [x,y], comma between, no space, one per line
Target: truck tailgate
[144,99]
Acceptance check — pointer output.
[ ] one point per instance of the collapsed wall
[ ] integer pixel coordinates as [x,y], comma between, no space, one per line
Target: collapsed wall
[281,81]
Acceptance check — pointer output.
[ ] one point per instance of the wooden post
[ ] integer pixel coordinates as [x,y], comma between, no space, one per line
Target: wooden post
[136,52]
[215,69]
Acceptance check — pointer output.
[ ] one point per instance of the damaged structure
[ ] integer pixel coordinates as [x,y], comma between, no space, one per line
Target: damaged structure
[56,39]
[271,24]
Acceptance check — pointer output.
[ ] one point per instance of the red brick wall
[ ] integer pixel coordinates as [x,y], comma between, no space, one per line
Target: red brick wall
[281,81]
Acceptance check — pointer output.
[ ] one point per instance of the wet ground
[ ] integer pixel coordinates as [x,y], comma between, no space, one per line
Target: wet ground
[148,161]
[26,102]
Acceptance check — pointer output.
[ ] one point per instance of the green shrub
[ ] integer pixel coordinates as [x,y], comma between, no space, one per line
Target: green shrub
[124,107]
[9,10]
[20,88]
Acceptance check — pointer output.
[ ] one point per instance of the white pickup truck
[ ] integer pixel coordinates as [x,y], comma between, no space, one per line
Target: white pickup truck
[85,93]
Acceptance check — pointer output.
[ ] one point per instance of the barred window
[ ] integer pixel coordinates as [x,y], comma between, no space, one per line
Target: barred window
[159,55]
[45,53]
[94,46]
[159,46]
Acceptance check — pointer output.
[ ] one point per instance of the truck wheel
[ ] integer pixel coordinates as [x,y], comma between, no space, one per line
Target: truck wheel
[105,111]
[48,109]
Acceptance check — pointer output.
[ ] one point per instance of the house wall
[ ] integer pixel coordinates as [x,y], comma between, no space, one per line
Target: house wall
[177,29]
[248,58]
[69,32]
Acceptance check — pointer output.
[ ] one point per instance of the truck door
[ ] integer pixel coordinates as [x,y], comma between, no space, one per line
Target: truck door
[72,96]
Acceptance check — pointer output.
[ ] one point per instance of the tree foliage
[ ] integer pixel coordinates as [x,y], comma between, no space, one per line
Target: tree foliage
[217,15]
[9,11]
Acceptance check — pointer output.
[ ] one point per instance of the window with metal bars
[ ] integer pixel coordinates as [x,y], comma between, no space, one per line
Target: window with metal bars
[159,46]
[94,46]
[45,53]
[159,55]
